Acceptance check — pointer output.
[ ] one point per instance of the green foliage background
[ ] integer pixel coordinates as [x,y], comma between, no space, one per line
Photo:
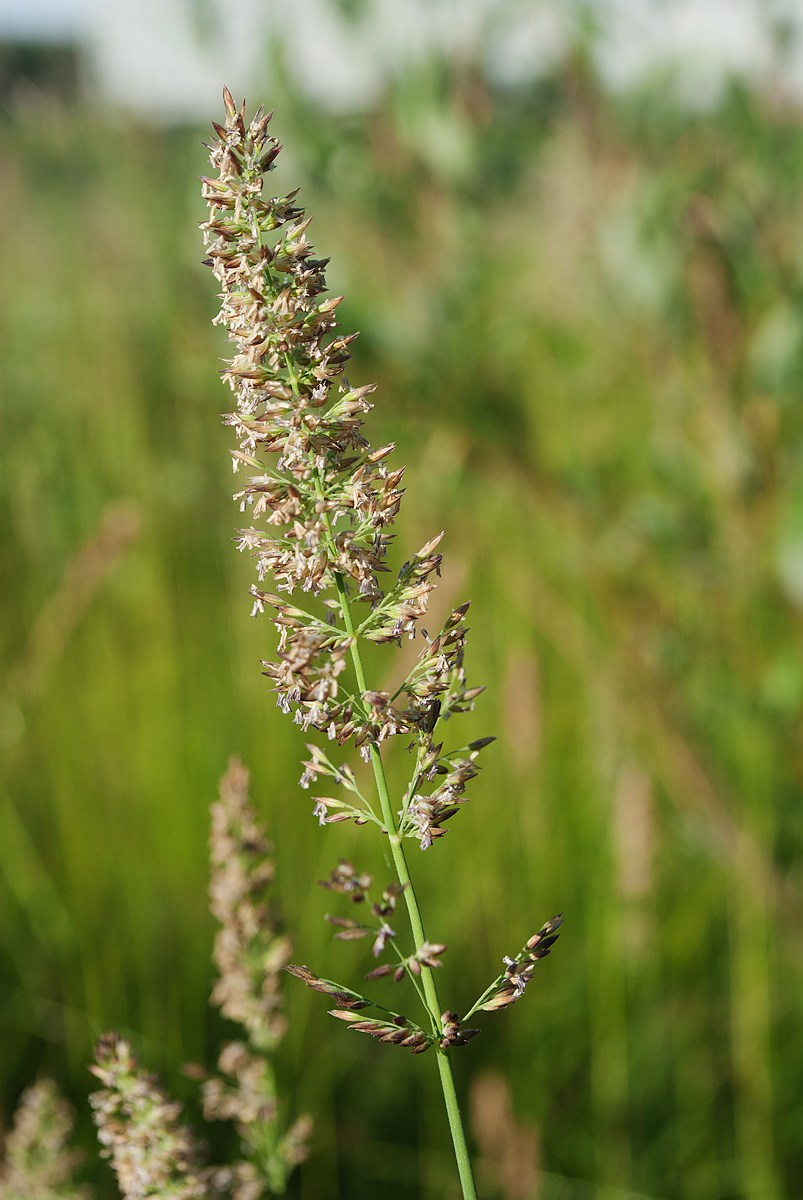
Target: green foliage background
[586,320]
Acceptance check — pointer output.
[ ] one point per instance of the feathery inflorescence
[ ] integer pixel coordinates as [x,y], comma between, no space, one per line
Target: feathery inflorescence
[323,502]
[249,954]
[152,1153]
[326,499]
[38,1163]
[138,1126]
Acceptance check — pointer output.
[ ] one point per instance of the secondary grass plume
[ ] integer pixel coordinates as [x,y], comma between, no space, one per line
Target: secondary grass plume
[138,1123]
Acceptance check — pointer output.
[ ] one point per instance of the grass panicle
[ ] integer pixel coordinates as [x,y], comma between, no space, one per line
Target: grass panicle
[151,1152]
[138,1124]
[322,501]
[249,954]
[38,1163]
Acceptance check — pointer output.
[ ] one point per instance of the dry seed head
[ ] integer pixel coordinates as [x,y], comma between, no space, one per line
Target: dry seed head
[343,995]
[397,1032]
[250,1100]
[453,1034]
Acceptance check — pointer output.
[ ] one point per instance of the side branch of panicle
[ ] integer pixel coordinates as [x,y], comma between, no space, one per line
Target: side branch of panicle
[510,985]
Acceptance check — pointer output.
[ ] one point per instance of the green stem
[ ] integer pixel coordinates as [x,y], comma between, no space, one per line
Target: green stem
[397,849]
[416,923]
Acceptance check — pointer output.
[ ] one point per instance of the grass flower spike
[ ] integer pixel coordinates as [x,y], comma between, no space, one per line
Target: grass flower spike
[138,1126]
[249,954]
[322,502]
[38,1165]
[138,1123]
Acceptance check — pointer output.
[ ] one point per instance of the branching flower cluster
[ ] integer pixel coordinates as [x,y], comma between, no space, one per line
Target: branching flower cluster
[250,954]
[322,503]
[518,972]
[327,498]
[138,1126]
[38,1164]
[151,1152]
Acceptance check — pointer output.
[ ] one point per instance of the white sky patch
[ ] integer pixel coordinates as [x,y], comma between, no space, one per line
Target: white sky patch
[704,43]
[167,59]
[167,62]
[48,20]
[527,40]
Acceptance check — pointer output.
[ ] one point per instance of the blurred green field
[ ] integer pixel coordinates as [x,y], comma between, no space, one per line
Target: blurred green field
[586,320]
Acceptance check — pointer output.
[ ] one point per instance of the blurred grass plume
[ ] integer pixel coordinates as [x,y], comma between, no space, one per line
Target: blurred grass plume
[38,1163]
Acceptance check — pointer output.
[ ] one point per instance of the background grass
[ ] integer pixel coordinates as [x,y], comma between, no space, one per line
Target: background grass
[586,320]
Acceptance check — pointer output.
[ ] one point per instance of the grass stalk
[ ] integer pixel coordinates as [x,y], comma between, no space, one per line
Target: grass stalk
[416,921]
